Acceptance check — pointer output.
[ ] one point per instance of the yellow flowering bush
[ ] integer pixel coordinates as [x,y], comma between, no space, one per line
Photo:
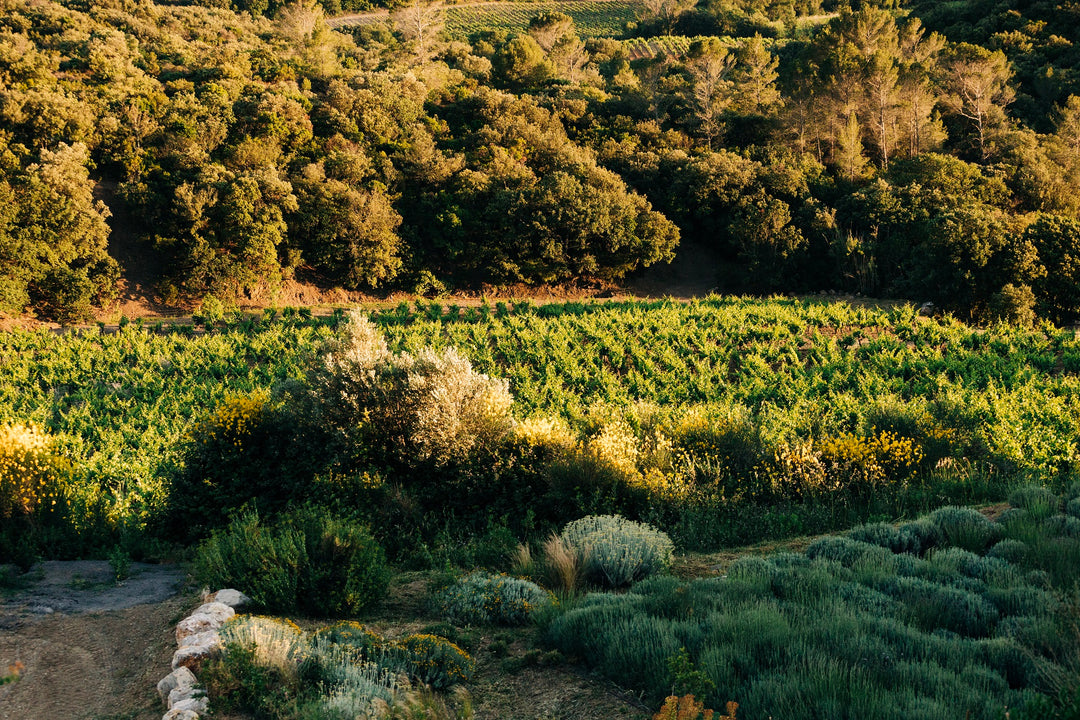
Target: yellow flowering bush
[33,478]
[871,460]
[247,449]
[547,433]
[432,660]
[796,470]
[617,447]
[232,422]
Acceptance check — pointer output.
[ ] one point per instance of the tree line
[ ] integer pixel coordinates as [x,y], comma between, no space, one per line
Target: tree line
[890,149]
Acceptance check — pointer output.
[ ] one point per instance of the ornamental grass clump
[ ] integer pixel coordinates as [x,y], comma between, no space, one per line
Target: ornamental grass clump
[485,599]
[615,552]
[33,476]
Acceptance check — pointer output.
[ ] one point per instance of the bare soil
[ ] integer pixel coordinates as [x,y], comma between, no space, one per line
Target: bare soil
[89,647]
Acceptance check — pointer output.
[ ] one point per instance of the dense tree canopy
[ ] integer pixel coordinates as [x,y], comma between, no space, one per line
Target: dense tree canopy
[915,150]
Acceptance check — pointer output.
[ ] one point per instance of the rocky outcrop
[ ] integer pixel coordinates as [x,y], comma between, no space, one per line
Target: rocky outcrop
[197,640]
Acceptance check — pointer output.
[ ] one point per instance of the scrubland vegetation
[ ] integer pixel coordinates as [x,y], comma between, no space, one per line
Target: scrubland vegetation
[576,447]
[544,468]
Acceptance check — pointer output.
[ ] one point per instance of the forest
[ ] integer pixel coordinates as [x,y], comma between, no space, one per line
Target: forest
[908,150]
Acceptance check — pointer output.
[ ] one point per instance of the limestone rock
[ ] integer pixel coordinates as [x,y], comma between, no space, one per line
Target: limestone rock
[210,637]
[177,714]
[180,678]
[210,616]
[179,695]
[233,598]
[193,656]
[197,705]
[219,610]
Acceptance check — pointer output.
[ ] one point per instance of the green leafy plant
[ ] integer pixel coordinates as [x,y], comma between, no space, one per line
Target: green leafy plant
[307,560]
[430,659]
[120,563]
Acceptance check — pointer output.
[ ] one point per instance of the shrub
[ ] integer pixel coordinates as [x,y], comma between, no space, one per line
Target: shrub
[614,551]
[912,537]
[1009,550]
[276,643]
[918,536]
[864,462]
[350,633]
[429,407]
[345,570]
[33,477]
[264,561]
[964,527]
[846,551]
[364,690]
[245,452]
[1072,507]
[931,606]
[733,439]
[307,561]
[485,599]
[431,659]
[257,672]
[356,683]
[882,534]
[1063,526]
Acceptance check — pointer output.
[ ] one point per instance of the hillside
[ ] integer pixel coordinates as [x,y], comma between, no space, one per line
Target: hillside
[189,153]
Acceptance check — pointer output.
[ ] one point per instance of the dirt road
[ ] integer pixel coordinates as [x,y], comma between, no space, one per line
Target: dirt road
[90,648]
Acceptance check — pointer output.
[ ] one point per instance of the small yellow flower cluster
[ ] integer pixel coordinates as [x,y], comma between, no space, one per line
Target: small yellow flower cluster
[232,421]
[32,476]
[878,457]
[436,660]
[842,461]
[899,455]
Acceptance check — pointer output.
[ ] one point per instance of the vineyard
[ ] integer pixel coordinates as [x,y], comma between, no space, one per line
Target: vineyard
[673,46]
[592,18]
[982,406]
[434,436]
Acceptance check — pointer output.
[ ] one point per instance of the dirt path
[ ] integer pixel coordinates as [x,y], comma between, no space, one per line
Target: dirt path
[89,647]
